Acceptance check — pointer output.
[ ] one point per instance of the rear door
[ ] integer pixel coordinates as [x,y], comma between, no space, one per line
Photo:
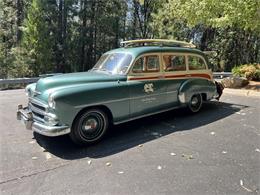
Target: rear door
[175,68]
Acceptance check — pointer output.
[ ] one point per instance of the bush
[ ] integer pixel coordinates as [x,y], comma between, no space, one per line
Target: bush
[249,71]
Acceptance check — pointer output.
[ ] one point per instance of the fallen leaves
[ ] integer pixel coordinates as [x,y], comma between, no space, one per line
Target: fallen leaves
[241,113]
[242,185]
[187,156]
[43,149]
[108,164]
[34,158]
[48,156]
[212,133]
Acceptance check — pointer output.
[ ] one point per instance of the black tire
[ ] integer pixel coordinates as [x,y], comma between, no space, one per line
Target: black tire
[195,103]
[89,127]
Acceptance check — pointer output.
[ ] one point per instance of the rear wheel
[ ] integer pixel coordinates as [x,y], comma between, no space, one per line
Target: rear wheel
[89,127]
[195,103]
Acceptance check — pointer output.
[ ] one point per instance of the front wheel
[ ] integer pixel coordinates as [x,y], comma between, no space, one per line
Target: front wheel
[89,127]
[195,103]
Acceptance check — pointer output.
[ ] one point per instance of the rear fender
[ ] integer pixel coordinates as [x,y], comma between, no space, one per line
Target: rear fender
[196,86]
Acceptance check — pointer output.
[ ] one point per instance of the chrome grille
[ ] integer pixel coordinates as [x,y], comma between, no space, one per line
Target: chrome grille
[38,109]
[38,106]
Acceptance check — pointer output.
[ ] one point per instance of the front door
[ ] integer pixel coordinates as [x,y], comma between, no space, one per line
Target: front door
[147,86]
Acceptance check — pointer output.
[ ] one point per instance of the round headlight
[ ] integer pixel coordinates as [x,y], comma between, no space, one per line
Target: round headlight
[51,101]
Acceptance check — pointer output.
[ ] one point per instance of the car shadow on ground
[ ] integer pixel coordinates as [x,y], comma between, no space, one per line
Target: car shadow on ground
[132,134]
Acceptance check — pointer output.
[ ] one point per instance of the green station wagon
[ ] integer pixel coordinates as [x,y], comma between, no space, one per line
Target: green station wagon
[142,78]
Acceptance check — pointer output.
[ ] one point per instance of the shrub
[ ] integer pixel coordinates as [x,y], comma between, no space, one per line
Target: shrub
[249,71]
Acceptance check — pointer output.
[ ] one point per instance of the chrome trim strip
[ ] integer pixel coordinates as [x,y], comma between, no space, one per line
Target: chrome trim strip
[169,92]
[38,118]
[35,101]
[124,99]
[36,93]
[37,110]
[101,103]
[155,79]
[145,115]
[151,95]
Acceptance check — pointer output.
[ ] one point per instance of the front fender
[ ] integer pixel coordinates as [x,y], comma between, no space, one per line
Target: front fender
[195,86]
[72,99]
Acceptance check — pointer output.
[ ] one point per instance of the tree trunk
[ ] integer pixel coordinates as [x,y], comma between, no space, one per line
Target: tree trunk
[83,34]
[20,17]
[91,37]
[60,42]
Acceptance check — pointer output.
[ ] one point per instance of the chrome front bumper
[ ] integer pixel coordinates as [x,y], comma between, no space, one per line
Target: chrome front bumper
[26,116]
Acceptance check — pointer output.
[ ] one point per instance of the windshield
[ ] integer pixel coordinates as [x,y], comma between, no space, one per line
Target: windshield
[115,63]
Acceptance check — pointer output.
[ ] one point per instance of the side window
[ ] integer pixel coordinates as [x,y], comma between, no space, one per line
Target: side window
[174,63]
[196,63]
[147,64]
[139,66]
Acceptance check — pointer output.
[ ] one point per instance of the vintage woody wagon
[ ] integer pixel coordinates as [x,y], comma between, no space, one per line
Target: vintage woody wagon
[142,78]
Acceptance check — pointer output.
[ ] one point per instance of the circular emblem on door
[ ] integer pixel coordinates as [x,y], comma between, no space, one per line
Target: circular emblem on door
[148,88]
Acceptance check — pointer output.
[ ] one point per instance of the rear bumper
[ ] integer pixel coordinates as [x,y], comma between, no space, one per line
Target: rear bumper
[26,116]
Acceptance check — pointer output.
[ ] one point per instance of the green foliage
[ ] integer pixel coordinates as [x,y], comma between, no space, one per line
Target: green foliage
[20,64]
[230,28]
[7,35]
[13,58]
[38,38]
[249,71]
[223,13]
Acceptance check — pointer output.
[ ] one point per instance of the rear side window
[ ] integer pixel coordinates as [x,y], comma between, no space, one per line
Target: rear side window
[147,64]
[174,63]
[196,63]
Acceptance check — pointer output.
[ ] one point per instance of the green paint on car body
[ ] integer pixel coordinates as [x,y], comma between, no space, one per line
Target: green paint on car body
[124,99]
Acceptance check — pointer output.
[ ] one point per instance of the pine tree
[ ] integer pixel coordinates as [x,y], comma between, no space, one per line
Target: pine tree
[38,38]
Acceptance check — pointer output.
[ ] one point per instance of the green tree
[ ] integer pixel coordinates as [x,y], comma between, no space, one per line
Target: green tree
[38,38]
[230,27]
[229,13]
[7,35]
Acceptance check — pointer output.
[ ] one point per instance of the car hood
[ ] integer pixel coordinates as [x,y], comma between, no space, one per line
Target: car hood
[64,80]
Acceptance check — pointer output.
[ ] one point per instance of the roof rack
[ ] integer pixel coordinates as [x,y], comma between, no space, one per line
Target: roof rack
[160,42]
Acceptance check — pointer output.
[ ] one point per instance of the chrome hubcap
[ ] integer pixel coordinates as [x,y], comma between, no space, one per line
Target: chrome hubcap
[90,125]
[194,101]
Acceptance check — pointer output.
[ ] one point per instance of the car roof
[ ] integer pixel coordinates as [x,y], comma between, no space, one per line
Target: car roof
[137,51]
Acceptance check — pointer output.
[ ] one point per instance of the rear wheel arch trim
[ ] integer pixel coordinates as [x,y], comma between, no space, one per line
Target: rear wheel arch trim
[185,92]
